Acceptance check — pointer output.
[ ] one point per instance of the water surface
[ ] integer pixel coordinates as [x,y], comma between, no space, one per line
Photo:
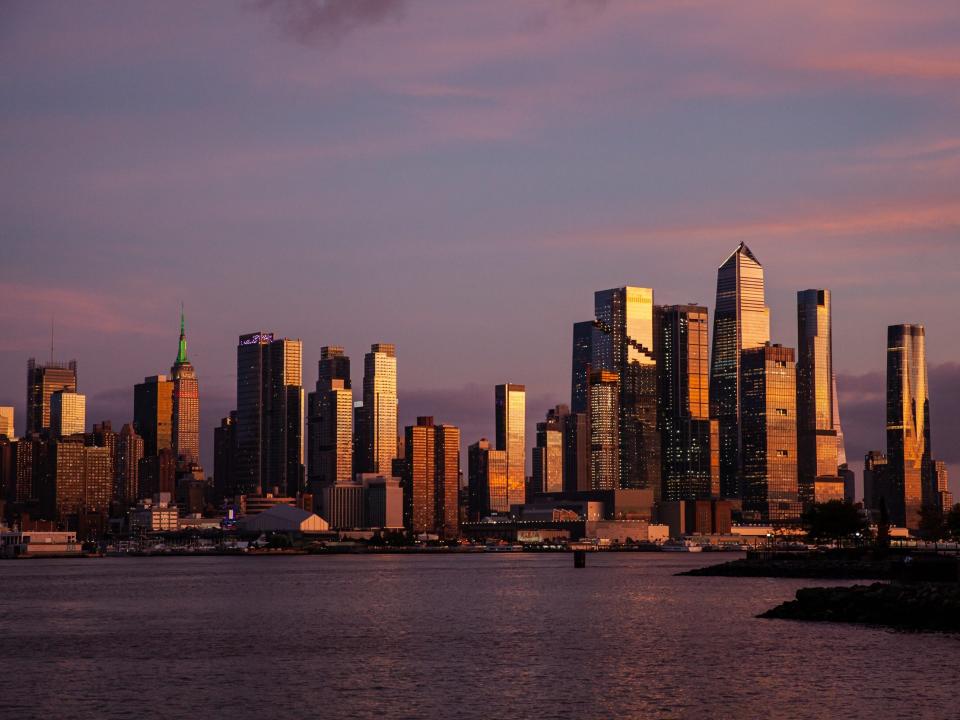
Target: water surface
[469,636]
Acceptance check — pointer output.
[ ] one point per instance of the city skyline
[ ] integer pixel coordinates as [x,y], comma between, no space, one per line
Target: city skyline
[639,163]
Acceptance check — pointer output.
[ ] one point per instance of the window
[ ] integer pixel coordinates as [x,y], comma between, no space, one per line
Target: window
[782,453]
[782,411]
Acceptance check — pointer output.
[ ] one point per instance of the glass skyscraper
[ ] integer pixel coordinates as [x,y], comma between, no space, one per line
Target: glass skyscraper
[768,427]
[43,380]
[624,344]
[690,465]
[68,413]
[583,334]
[604,430]
[153,413]
[741,321]
[908,422]
[816,407]
[269,427]
[511,404]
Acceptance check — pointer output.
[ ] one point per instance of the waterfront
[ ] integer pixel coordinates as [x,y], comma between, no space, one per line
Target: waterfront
[478,636]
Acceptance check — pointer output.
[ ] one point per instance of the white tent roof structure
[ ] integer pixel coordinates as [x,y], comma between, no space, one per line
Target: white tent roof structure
[284,518]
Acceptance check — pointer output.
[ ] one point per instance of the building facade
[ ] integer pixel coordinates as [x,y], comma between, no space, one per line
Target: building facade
[153,413]
[376,425]
[44,379]
[185,425]
[624,344]
[690,461]
[511,406]
[741,322]
[908,422]
[768,424]
[486,481]
[330,421]
[68,413]
[817,442]
[269,428]
[604,395]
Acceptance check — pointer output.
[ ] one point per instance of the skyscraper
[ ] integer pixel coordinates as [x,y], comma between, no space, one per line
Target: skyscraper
[604,436]
[129,452]
[330,421]
[185,428]
[625,345]
[549,451]
[877,488]
[768,427]
[78,480]
[940,485]
[817,454]
[486,480]
[689,466]
[511,405]
[68,413]
[583,334]
[741,321]
[376,430]
[432,467]
[269,431]
[576,451]
[153,413]
[7,427]
[44,379]
[908,422]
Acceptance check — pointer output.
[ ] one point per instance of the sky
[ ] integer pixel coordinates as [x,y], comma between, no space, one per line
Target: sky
[459,178]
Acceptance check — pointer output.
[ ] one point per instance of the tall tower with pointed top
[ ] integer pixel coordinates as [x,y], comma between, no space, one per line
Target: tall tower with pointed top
[741,322]
[186,402]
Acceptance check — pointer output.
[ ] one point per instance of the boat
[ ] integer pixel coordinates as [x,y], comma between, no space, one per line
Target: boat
[685,546]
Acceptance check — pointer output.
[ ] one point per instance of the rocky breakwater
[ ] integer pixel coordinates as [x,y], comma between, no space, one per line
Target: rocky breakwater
[921,606]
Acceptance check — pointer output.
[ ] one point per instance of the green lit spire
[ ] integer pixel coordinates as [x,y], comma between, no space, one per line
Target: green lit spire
[182,352]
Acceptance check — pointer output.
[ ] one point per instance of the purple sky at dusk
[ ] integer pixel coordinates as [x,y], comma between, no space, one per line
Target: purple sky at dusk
[458,178]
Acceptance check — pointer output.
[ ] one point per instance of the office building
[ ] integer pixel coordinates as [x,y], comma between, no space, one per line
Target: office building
[486,481]
[128,454]
[908,423]
[940,483]
[384,498]
[432,464]
[549,451]
[768,423]
[185,427]
[43,380]
[269,425]
[583,334]
[7,426]
[877,489]
[741,321]
[511,407]
[157,474]
[817,447]
[375,420]
[79,480]
[690,461]
[624,344]
[330,421]
[153,413]
[604,430]
[576,451]
[68,413]
[343,504]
